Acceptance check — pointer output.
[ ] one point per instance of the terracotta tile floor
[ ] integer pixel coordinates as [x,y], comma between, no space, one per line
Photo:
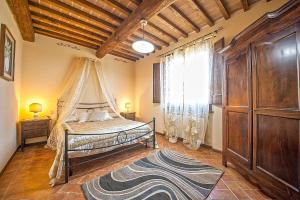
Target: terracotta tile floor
[26,177]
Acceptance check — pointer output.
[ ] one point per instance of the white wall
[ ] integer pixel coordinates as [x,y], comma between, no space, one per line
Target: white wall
[143,68]
[9,93]
[45,65]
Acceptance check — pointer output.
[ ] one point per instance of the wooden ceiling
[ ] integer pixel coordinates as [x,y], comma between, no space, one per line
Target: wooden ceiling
[111,26]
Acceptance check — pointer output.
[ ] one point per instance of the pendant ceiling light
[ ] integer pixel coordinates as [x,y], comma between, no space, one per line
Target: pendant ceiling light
[143,46]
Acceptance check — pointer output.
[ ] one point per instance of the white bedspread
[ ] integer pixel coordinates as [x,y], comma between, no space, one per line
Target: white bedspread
[104,140]
[84,142]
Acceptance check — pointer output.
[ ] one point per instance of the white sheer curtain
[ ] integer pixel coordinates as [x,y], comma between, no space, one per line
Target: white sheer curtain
[185,79]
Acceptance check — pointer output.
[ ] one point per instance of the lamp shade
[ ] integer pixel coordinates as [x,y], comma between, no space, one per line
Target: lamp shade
[127,105]
[143,46]
[35,107]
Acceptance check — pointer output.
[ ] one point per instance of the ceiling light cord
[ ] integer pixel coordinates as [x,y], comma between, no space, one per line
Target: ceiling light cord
[143,46]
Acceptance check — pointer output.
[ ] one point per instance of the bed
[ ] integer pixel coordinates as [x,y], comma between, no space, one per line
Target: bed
[96,137]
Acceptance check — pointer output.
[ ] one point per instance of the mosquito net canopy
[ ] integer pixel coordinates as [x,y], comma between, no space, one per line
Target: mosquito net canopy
[84,83]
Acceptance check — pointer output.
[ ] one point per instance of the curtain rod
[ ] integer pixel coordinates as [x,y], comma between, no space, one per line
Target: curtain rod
[203,38]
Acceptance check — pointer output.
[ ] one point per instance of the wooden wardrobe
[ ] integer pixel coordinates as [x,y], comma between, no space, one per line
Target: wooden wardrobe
[261,101]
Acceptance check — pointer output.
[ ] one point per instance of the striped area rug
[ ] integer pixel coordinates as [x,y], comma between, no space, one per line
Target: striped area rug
[162,176]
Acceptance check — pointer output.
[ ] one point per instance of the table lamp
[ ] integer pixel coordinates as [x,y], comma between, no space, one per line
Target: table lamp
[35,108]
[127,106]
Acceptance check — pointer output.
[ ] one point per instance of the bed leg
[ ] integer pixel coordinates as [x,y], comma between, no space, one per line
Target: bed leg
[66,158]
[70,167]
[154,142]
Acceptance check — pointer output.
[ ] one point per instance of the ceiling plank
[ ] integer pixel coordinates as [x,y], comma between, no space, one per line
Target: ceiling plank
[114,53]
[223,9]
[182,32]
[163,31]
[203,13]
[79,14]
[153,37]
[145,10]
[51,21]
[64,38]
[20,10]
[245,4]
[118,6]
[186,18]
[125,51]
[66,29]
[34,7]
[96,9]
[64,32]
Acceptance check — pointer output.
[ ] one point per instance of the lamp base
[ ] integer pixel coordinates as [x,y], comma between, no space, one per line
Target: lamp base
[35,116]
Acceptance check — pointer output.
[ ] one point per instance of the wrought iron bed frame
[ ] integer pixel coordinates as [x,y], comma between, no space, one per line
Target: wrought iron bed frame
[121,139]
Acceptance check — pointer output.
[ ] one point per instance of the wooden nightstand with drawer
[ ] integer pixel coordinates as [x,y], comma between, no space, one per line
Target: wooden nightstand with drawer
[128,115]
[33,128]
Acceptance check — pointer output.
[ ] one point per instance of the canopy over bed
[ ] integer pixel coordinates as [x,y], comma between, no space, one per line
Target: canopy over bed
[86,78]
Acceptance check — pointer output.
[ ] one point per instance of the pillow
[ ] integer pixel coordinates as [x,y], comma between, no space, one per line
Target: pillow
[99,115]
[83,117]
[73,117]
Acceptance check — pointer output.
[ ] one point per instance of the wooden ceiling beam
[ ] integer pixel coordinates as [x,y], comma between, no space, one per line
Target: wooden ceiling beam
[203,13]
[114,53]
[163,31]
[66,29]
[118,6]
[20,10]
[41,18]
[34,7]
[126,54]
[186,18]
[96,9]
[64,38]
[79,14]
[245,4]
[136,2]
[152,37]
[176,27]
[67,33]
[125,51]
[145,10]
[223,9]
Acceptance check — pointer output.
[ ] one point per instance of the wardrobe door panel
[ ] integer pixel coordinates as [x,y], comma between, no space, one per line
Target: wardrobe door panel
[276,136]
[276,65]
[237,143]
[237,88]
[238,137]
[277,142]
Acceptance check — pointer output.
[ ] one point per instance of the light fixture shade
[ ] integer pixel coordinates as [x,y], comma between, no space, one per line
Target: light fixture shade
[127,105]
[35,107]
[143,46]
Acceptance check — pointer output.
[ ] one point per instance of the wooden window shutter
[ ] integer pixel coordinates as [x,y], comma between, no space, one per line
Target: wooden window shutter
[156,83]
[218,64]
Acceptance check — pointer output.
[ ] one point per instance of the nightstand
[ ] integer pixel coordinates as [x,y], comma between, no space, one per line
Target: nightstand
[128,115]
[33,128]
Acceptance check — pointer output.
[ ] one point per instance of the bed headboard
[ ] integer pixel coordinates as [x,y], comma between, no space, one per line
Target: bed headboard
[85,106]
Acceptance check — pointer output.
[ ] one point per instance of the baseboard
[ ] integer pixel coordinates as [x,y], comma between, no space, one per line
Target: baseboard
[202,145]
[2,171]
[210,147]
